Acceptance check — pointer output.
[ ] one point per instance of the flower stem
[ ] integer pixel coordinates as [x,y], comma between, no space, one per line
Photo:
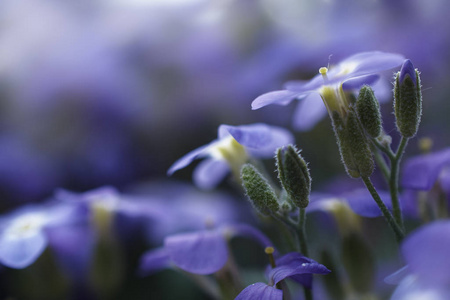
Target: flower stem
[302,232]
[387,215]
[393,182]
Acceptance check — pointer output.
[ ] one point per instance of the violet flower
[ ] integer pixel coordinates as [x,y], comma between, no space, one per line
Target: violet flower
[25,232]
[292,265]
[199,252]
[233,147]
[332,86]
[426,253]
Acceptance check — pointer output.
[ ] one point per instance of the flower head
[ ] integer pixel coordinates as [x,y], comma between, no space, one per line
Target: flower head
[332,85]
[232,148]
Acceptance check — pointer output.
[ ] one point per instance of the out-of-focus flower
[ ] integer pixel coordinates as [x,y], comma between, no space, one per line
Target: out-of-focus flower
[199,252]
[234,146]
[24,232]
[426,254]
[331,86]
[292,265]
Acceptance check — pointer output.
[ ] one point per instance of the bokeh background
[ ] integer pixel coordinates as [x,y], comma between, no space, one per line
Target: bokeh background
[112,92]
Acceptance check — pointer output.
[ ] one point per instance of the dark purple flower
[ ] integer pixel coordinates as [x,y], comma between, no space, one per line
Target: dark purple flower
[200,252]
[427,273]
[292,265]
[232,148]
[347,76]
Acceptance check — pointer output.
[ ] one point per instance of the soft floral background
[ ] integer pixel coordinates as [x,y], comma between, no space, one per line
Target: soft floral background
[111,93]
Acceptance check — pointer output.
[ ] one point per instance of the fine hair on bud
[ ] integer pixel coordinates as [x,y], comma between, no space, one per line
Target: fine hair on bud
[368,111]
[353,145]
[294,175]
[258,190]
[407,100]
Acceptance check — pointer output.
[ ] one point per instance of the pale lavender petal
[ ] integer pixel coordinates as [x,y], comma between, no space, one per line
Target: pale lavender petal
[383,90]
[258,291]
[19,252]
[305,86]
[309,111]
[357,82]
[187,159]
[412,288]
[210,172]
[282,97]
[253,135]
[410,207]
[371,62]
[362,203]
[421,172]
[203,252]
[426,252]
[153,261]
[398,276]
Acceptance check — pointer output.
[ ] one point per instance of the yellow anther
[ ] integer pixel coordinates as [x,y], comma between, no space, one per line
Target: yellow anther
[323,70]
[269,250]
[425,144]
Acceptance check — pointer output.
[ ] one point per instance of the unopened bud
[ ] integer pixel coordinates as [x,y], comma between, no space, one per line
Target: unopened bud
[258,190]
[353,145]
[294,175]
[407,100]
[368,110]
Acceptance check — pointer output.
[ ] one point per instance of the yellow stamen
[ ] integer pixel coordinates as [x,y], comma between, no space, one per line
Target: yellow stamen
[323,71]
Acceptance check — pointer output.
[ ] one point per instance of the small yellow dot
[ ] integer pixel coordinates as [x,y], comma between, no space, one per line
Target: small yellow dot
[269,250]
[323,70]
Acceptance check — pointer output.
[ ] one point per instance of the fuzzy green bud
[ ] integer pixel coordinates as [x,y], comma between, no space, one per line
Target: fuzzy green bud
[368,110]
[294,175]
[353,145]
[407,100]
[258,190]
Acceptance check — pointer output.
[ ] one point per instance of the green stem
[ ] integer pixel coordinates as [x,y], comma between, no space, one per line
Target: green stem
[384,149]
[302,232]
[384,168]
[393,182]
[387,215]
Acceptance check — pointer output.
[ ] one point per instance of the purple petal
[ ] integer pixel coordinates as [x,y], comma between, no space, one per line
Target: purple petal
[421,172]
[294,264]
[371,62]
[249,232]
[187,159]
[357,82]
[19,252]
[259,291]
[407,69]
[309,111]
[412,288]
[153,261]
[362,203]
[203,252]
[398,276]
[210,172]
[426,252]
[282,97]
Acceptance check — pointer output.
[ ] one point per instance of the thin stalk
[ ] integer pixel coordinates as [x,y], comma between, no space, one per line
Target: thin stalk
[302,232]
[384,168]
[393,182]
[387,215]
[384,149]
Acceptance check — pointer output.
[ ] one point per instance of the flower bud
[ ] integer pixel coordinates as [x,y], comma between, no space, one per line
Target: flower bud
[407,100]
[294,175]
[353,145]
[258,190]
[368,110]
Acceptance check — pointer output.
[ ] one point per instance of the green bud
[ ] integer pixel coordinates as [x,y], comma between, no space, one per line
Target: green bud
[258,190]
[358,260]
[407,100]
[368,110]
[353,145]
[294,175]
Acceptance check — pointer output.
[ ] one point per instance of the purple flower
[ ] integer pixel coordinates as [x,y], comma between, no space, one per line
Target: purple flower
[25,233]
[427,273]
[232,148]
[199,252]
[331,86]
[292,265]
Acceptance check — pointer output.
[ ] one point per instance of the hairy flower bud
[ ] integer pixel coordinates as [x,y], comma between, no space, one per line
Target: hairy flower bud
[407,100]
[368,110]
[353,145]
[294,175]
[259,190]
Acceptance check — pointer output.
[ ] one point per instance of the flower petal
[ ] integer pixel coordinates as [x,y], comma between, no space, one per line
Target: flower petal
[19,252]
[357,82]
[153,261]
[259,291]
[208,174]
[281,97]
[187,159]
[362,203]
[371,62]
[309,111]
[203,252]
